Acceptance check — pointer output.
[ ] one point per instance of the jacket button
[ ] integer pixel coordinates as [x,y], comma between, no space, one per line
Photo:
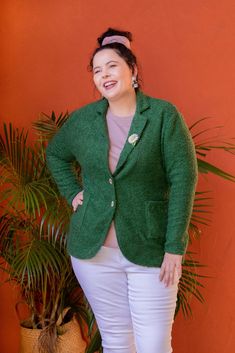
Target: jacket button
[110,181]
[112,203]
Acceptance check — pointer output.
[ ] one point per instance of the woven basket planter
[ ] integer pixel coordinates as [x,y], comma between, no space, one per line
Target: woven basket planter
[70,341]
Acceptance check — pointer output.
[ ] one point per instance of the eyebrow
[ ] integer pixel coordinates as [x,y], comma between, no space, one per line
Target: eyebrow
[96,67]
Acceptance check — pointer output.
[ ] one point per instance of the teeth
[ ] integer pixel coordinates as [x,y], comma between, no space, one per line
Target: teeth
[109,84]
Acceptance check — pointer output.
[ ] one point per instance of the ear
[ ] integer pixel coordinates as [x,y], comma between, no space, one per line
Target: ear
[135,71]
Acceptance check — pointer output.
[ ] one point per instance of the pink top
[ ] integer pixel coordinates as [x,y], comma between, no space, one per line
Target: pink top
[118,129]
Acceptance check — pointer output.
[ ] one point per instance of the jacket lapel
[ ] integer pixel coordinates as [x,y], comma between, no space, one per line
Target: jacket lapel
[137,126]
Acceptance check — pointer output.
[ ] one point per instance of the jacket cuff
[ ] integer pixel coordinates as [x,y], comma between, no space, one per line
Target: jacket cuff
[174,248]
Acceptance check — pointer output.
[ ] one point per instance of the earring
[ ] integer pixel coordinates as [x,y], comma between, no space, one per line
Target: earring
[134,82]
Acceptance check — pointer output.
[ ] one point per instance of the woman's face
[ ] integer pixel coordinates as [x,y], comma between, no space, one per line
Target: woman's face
[111,74]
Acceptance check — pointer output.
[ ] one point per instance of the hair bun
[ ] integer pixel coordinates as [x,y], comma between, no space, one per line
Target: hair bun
[112,32]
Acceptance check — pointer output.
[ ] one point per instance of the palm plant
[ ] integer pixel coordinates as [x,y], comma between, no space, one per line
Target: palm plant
[33,238]
[190,284]
[34,222]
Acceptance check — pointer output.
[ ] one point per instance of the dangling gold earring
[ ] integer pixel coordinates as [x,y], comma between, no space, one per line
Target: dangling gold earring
[134,82]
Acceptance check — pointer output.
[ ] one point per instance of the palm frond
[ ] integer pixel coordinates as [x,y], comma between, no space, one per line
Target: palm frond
[34,260]
[22,173]
[191,127]
[208,144]
[205,167]
[189,285]
[47,126]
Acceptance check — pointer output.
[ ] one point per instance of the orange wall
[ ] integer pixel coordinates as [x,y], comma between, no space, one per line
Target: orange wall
[186,51]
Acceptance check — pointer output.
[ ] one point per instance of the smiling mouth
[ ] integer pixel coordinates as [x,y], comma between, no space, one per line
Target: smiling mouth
[109,85]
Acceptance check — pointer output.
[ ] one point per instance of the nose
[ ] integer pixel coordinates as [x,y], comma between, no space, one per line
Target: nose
[105,74]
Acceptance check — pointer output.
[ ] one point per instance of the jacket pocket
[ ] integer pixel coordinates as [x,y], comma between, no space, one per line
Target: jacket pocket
[78,215]
[156,218]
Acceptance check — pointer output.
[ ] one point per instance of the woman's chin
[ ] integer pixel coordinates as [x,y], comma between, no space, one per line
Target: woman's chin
[111,95]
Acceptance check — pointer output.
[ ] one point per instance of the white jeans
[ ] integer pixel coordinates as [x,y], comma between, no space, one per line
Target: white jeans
[133,309]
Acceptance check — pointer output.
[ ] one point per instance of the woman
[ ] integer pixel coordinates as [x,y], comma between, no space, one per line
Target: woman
[129,229]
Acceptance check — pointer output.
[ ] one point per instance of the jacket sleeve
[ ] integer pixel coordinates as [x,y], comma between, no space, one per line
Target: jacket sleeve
[181,167]
[59,159]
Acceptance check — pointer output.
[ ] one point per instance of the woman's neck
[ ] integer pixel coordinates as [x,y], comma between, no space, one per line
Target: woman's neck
[124,106]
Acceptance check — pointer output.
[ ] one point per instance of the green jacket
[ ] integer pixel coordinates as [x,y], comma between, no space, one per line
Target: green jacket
[151,192]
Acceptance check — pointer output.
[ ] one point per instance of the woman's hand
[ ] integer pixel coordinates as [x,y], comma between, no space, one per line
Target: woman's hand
[171,267]
[78,200]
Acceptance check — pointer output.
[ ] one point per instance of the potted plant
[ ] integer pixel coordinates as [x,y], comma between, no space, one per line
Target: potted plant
[33,225]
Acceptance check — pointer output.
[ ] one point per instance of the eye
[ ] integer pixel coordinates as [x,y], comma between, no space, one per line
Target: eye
[96,72]
[113,65]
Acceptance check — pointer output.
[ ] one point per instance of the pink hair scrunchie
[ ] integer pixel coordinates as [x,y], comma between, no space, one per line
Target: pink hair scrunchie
[118,39]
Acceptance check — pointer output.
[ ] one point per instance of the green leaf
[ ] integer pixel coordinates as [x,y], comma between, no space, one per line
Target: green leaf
[205,167]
